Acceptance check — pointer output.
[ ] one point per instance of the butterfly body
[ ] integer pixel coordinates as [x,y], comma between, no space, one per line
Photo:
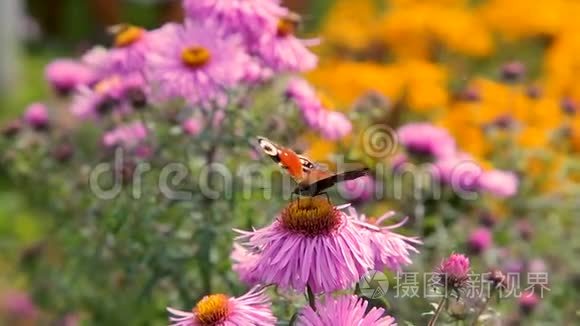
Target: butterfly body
[312,179]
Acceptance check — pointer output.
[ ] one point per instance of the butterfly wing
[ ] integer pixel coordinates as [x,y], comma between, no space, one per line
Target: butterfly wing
[318,181]
[286,158]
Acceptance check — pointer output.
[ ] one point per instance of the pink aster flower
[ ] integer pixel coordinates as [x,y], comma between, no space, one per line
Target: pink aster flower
[131,46]
[301,92]
[528,302]
[243,261]
[97,59]
[192,126]
[334,125]
[36,116]
[196,62]
[88,104]
[256,73]
[253,308]
[250,17]
[344,311]
[398,162]
[304,95]
[426,139]
[311,243]
[499,183]
[65,75]
[480,240]
[390,250]
[119,93]
[537,265]
[284,52]
[460,172]
[360,190]
[18,305]
[287,54]
[128,135]
[453,272]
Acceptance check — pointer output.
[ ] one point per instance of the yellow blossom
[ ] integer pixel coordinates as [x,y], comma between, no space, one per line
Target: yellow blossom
[350,24]
[524,18]
[423,83]
[416,29]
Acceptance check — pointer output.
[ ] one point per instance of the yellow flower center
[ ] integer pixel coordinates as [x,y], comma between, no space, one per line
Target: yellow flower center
[195,56]
[310,216]
[212,309]
[128,35]
[285,27]
[106,84]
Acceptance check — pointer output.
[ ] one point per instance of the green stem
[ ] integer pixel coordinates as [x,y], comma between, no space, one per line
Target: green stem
[438,311]
[311,297]
[482,309]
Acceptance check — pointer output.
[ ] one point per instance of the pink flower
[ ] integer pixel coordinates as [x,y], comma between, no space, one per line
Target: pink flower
[390,250]
[304,95]
[253,308]
[334,125]
[196,62]
[256,73]
[310,244]
[97,58]
[131,46]
[88,104]
[65,75]
[480,240]
[118,93]
[192,126]
[144,151]
[453,272]
[398,162]
[426,139]
[243,262]
[537,265]
[128,135]
[18,305]
[283,52]
[36,116]
[499,183]
[528,302]
[460,172]
[250,17]
[359,190]
[346,310]
[300,91]
[513,71]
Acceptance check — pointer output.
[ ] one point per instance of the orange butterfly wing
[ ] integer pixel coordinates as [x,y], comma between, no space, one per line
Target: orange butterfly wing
[285,157]
[290,161]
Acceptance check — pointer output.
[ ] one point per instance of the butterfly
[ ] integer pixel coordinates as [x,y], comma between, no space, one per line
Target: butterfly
[312,179]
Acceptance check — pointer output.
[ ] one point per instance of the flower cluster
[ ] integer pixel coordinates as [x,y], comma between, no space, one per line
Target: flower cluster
[331,124]
[221,49]
[426,142]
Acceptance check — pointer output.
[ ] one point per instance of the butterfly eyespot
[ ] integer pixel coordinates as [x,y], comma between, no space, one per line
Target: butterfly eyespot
[268,147]
[306,163]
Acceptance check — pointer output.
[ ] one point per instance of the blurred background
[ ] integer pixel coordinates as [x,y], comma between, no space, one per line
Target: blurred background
[500,76]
